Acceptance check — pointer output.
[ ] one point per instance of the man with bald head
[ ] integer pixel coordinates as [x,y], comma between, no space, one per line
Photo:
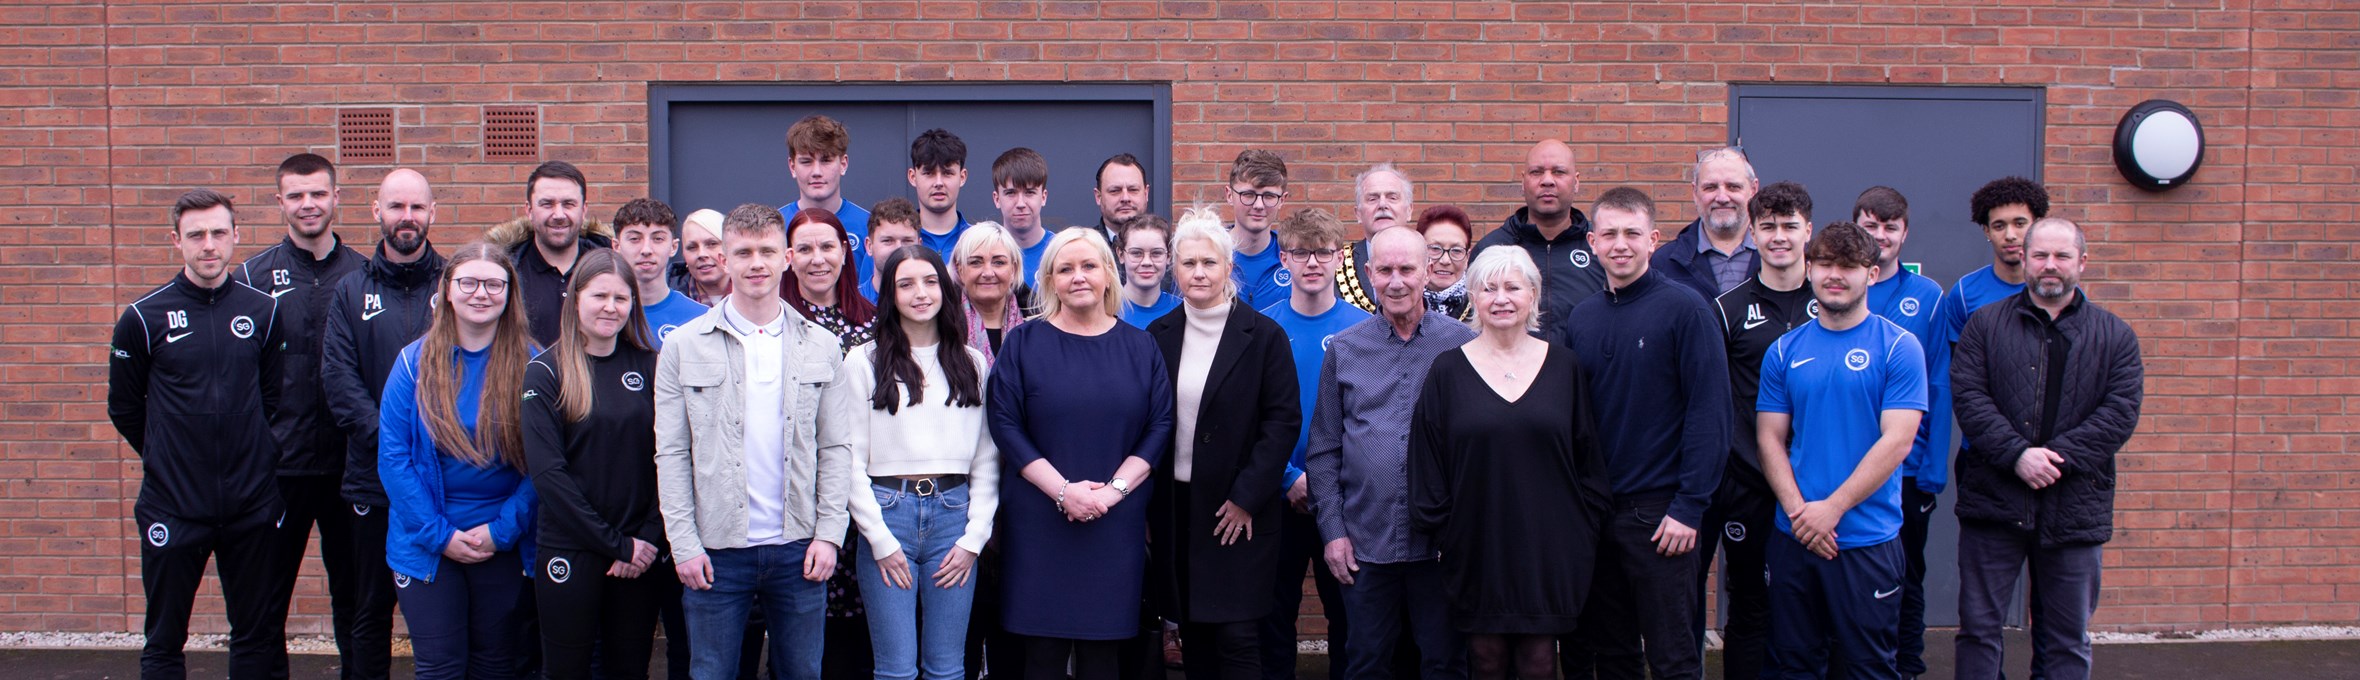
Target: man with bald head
[371,315]
[1716,252]
[1554,232]
[2036,480]
[1357,461]
[1381,198]
[297,273]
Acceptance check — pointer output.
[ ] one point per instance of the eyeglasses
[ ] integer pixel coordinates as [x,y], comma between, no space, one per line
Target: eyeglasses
[1259,198]
[1441,254]
[1157,255]
[469,285]
[1322,255]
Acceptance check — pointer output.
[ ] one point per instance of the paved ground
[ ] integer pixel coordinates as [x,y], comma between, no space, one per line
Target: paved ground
[2278,660]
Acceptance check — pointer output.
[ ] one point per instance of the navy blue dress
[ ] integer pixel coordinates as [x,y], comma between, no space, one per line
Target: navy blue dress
[1085,403]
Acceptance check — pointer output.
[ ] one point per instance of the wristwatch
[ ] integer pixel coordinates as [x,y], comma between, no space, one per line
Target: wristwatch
[1121,486]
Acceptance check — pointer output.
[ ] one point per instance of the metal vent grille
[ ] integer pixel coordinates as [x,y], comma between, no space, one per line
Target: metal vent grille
[364,135]
[511,133]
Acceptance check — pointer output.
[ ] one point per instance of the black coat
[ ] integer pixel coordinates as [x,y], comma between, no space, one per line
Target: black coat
[1999,372]
[1245,431]
[1680,261]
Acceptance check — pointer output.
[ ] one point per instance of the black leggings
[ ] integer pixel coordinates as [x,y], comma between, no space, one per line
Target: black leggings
[1044,658]
[584,610]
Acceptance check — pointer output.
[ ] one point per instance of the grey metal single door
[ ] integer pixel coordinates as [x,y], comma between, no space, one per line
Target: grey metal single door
[716,146]
[1936,145]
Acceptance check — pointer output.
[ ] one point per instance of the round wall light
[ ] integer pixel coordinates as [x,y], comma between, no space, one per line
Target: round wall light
[2158,145]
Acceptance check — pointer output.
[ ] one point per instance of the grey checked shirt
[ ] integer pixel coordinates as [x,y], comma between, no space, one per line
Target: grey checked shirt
[1358,458]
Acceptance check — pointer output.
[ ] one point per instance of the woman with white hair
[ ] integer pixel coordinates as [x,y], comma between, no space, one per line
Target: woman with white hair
[986,262]
[1214,525]
[1080,406]
[1505,471]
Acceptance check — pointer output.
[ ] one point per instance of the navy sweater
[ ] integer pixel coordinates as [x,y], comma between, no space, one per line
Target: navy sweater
[1660,383]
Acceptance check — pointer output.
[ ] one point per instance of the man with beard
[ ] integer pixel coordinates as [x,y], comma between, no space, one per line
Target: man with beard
[1122,194]
[1554,232]
[1381,201]
[545,258]
[1715,253]
[2037,479]
[371,316]
[298,272]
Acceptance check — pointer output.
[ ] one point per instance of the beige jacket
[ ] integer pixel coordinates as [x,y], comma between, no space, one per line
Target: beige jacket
[700,429]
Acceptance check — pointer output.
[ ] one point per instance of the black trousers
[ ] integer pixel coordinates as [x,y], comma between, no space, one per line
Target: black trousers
[1917,513]
[358,587]
[1301,549]
[172,555]
[1638,617]
[1044,658]
[584,611]
[1222,651]
[1739,525]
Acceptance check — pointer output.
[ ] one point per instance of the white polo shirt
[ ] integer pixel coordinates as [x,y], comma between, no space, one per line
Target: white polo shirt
[766,435]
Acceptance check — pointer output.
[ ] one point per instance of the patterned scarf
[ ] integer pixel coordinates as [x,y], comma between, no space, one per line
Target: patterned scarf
[979,339]
[1451,302]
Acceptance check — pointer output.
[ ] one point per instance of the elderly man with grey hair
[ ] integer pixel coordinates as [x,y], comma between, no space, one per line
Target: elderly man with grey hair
[1381,198]
[1716,252]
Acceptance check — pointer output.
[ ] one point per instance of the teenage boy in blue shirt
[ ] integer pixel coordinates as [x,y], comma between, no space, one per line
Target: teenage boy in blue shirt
[817,147]
[1840,403]
[1257,191]
[643,236]
[1903,297]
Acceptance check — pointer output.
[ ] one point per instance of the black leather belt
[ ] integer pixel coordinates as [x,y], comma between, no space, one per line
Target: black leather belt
[921,487]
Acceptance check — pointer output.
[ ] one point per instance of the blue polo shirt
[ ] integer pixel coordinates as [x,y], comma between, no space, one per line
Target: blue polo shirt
[1261,279]
[1308,337]
[1837,386]
[856,225]
[1976,289]
[676,310]
[942,244]
[1140,317]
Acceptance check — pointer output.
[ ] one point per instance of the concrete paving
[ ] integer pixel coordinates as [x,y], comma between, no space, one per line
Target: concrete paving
[2278,660]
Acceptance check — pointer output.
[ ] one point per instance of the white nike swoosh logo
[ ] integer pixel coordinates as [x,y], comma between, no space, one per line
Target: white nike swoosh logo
[1888,593]
[1749,325]
[1799,364]
[283,291]
[1929,507]
[371,314]
[169,339]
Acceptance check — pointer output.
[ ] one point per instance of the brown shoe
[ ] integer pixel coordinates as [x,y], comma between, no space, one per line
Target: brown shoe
[1172,649]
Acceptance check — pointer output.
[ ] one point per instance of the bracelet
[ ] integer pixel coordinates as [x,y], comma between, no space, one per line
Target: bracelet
[1061,496]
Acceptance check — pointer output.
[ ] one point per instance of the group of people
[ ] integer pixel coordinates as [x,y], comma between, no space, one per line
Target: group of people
[890,442]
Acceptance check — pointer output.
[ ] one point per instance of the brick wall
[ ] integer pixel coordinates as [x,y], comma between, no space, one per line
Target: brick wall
[2240,500]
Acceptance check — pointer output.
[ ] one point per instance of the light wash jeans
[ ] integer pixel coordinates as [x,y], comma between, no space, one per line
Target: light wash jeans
[910,645]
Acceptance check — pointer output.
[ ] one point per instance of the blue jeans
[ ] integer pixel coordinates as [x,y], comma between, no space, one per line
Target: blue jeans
[920,632]
[794,608]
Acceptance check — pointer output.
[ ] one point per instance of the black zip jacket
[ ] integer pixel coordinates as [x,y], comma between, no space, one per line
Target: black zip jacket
[544,286]
[193,379]
[309,443]
[596,477]
[1753,317]
[1570,273]
[2010,397]
[372,315]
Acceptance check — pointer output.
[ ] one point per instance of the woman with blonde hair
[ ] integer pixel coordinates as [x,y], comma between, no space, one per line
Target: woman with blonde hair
[451,454]
[1214,523]
[1080,406]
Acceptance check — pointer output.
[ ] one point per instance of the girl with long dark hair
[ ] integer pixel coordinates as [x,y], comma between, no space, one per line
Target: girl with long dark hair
[932,468]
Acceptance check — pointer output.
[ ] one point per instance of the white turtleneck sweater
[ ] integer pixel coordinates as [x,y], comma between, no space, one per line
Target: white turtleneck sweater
[1196,361]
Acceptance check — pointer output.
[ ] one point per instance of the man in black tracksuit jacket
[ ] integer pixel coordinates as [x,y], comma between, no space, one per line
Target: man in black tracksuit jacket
[371,316]
[193,379]
[297,272]
[1660,379]
[1570,273]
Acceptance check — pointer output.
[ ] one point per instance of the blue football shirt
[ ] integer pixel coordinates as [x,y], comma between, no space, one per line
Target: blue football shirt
[1308,337]
[675,310]
[1837,386]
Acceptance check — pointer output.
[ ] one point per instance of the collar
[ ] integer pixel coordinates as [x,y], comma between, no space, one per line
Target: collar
[738,325]
[2027,305]
[410,274]
[335,250]
[1704,240]
[1638,287]
[202,294]
[1521,221]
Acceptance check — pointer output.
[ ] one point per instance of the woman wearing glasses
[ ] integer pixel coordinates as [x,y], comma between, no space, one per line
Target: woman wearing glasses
[1147,261]
[1447,236]
[1214,522]
[451,453]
